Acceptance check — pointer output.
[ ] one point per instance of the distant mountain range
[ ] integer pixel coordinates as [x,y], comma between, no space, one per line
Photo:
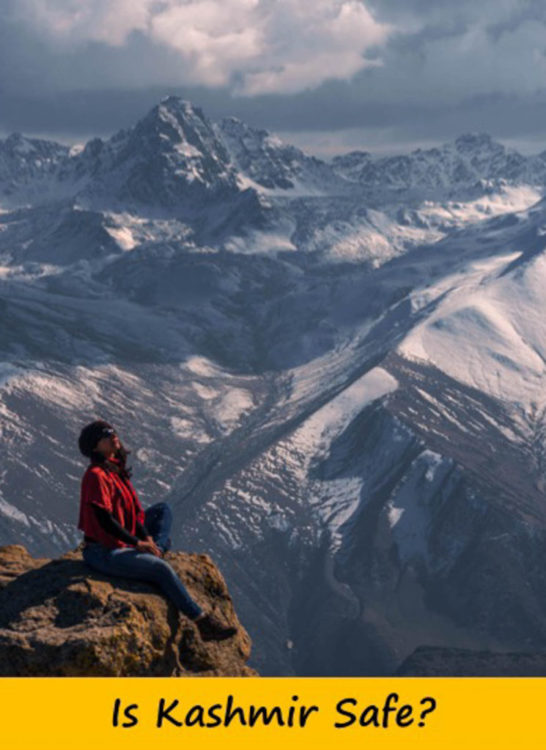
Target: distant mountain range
[333,371]
[176,139]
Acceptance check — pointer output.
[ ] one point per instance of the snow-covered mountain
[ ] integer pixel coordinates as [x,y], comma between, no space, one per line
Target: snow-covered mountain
[335,380]
[26,164]
[170,159]
[473,161]
[264,161]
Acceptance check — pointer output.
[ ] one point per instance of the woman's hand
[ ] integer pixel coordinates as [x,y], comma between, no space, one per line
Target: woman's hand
[148,545]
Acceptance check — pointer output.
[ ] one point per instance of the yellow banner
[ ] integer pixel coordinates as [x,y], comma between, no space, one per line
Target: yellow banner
[281,713]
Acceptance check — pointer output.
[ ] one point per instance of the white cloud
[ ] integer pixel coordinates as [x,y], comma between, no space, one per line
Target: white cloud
[326,40]
[257,46]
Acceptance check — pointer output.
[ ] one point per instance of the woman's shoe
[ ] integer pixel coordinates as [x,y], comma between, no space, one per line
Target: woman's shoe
[211,629]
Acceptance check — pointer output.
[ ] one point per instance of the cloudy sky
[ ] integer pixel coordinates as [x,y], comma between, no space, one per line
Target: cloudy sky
[328,75]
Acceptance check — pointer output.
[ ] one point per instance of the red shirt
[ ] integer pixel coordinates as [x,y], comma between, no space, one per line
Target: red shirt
[108,490]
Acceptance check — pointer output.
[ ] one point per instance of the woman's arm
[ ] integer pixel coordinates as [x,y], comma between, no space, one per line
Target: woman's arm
[110,525]
[144,542]
[141,531]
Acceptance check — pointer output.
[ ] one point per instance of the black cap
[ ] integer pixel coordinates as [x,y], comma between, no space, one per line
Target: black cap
[91,434]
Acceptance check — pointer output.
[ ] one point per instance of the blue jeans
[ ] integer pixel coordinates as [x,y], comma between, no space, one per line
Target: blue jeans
[158,520]
[130,563]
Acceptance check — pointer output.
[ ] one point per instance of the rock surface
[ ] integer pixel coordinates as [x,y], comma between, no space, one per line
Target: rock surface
[429,661]
[60,618]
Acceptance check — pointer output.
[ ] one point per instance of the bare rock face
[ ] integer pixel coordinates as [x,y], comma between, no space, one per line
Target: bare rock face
[435,661]
[61,618]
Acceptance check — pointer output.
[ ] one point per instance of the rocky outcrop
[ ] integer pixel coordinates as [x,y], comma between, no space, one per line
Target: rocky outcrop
[60,618]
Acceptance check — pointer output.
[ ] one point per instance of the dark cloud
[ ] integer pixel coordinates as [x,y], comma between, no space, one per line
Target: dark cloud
[530,12]
[30,65]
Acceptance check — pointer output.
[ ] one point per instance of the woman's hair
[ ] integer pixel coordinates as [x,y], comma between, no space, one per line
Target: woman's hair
[120,468]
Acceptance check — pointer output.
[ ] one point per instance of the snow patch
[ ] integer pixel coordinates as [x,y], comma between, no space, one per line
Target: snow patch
[9,372]
[330,420]
[232,406]
[261,243]
[204,391]
[279,522]
[489,328]
[509,199]
[188,430]
[394,514]
[123,236]
[10,511]
[433,460]
[201,366]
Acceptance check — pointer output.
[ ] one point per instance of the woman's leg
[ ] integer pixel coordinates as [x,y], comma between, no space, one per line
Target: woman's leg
[158,520]
[129,563]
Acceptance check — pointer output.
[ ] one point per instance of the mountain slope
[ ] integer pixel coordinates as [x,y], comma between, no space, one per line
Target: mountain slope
[340,393]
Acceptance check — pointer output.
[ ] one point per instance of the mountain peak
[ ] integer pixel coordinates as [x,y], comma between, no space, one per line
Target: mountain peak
[231,119]
[175,120]
[15,137]
[18,143]
[23,144]
[170,154]
[176,105]
[473,140]
[352,157]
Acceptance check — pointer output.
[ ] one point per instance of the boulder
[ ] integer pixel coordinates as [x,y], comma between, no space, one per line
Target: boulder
[61,618]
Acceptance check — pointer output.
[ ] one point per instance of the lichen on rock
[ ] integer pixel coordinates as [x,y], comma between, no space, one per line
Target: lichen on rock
[61,618]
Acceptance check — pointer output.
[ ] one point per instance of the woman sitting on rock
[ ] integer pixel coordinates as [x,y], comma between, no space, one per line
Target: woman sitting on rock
[123,540]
